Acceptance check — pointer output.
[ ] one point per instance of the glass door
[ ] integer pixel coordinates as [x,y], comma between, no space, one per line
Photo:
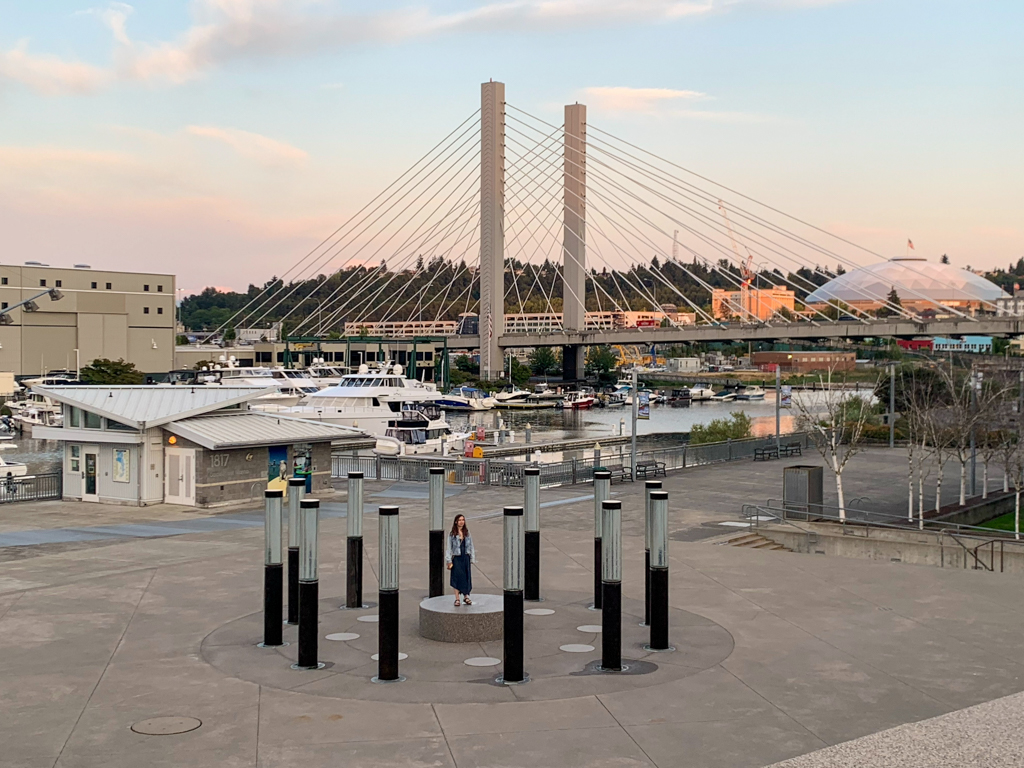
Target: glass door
[90,463]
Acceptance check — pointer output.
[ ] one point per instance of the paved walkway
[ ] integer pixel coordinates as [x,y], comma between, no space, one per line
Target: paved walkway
[779,655]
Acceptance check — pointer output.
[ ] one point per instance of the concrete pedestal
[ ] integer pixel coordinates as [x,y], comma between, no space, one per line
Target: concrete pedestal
[440,620]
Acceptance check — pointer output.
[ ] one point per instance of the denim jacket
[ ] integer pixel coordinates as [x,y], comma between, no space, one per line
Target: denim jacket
[455,548]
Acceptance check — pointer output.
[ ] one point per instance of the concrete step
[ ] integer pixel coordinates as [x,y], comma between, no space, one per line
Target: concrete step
[756,541]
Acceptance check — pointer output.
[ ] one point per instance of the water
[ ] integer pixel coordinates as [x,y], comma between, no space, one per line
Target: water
[40,456]
[665,427]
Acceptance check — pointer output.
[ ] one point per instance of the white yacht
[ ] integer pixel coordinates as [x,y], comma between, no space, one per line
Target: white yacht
[725,396]
[282,390]
[467,399]
[325,375]
[701,392]
[753,392]
[512,394]
[543,391]
[403,413]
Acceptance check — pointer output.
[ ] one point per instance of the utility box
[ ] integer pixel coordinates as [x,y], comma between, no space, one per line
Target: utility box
[683,365]
[802,488]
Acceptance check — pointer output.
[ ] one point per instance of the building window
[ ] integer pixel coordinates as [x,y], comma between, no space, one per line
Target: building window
[92,420]
[280,357]
[118,426]
[145,287]
[74,417]
[159,310]
[145,310]
[92,285]
[109,286]
[3,281]
[74,458]
[42,283]
[3,305]
[59,283]
[159,289]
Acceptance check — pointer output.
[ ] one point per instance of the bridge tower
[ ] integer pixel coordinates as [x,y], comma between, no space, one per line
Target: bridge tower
[492,227]
[574,236]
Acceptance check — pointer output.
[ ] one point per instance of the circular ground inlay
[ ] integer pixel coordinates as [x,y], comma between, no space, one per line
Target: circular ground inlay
[538,611]
[342,637]
[166,726]
[372,619]
[401,656]
[482,661]
[576,648]
[442,672]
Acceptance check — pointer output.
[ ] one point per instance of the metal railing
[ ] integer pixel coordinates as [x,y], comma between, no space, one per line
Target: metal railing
[31,488]
[974,540]
[462,471]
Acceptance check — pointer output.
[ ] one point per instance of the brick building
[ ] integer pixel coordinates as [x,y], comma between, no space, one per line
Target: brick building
[805,362]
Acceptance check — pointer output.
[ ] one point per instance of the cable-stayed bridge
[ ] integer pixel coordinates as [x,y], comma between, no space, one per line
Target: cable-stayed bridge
[566,235]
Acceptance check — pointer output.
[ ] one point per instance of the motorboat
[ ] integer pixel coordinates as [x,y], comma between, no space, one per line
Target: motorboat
[228,373]
[512,394]
[725,396]
[752,392]
[420,428]
[467,399]
[680,398]
[577,401]
[10,469]
[701,392]
[543,391]
[36,410]
[52,378]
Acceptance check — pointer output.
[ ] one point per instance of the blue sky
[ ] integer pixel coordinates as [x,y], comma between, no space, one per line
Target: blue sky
[226,137]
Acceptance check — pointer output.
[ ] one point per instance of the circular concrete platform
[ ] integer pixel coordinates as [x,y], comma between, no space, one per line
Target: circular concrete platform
[441,620]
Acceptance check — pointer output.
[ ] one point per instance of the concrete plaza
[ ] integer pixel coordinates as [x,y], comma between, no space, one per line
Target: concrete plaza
[778,655]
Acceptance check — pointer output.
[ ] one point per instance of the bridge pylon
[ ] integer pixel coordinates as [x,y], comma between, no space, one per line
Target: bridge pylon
[574,235]
[492,228]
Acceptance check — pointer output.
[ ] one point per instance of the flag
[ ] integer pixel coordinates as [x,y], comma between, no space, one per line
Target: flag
[910,244]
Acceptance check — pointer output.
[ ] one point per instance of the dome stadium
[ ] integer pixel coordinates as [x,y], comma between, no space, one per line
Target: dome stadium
[918,282]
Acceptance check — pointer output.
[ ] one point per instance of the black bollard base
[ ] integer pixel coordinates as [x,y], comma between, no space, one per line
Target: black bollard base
[531,568]
[647,589]
[611,627]
[659,611]
[273,606]
[387,638]
[293,586]
[354,573]
[597,576]
[435,580]
[512,672]
[309,617]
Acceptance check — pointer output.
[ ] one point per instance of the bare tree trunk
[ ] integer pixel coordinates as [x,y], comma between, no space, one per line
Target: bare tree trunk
[1016,514]
[984,480]
[842,498]
[963,483]
[938,491]
[1006,481]
[920,494]
[910,481]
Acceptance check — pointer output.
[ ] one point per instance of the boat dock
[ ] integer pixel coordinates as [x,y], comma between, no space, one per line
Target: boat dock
[575,444]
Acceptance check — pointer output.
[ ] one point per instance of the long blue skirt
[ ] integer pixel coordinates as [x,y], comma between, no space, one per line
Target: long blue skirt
[462,576]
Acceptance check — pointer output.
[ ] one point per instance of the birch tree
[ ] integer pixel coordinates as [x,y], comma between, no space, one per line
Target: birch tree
[837,429]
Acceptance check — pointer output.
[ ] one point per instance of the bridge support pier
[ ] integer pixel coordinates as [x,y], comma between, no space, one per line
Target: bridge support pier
[572,362]
[492,228]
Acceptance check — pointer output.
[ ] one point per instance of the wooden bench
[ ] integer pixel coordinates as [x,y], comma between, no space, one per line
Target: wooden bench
[764,454]
[650,468]
[619,472]
[791,449]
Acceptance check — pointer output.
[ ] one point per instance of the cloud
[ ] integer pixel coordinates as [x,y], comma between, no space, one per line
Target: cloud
[621,99]
[254,146]
[225,31]
[49,75]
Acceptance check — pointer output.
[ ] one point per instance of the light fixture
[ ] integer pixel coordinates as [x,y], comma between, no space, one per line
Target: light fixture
[55,295]
[30,306]
[172,440]
[153,342]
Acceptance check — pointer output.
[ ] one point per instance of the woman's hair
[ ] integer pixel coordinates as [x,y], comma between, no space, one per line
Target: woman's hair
[455,526]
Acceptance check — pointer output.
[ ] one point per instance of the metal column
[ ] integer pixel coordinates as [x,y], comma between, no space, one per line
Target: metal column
[649,487]
[659,572]
[387,621]
[435,534]
[309,584]
[273,570]
[531,507]
[611,586]
[602,490]
[512,582]
[354,559]
[296,490]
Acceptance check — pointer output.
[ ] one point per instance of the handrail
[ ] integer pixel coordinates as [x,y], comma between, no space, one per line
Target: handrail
[930,524]
[979,565]
[755,522]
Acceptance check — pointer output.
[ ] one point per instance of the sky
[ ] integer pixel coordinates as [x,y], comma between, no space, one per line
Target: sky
[222,139]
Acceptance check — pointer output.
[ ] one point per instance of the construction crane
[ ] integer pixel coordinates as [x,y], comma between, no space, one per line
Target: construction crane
[745,270]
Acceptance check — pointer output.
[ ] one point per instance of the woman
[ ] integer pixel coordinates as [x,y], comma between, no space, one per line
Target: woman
[459,556]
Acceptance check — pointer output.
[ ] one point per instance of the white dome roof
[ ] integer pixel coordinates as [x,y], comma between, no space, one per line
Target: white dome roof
[913,279]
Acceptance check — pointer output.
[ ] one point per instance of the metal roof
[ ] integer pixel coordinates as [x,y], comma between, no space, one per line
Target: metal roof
[218,431]
[149,405]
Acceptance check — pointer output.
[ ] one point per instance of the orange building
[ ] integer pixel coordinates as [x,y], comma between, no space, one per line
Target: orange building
[761,303]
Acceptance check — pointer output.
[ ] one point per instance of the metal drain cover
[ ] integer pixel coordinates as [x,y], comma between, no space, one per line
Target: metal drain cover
[166,726]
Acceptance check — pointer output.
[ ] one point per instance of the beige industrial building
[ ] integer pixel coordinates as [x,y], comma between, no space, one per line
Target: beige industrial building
[128,315]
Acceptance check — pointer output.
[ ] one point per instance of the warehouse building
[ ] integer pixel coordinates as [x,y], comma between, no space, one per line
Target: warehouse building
[99,314]
[804,362]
